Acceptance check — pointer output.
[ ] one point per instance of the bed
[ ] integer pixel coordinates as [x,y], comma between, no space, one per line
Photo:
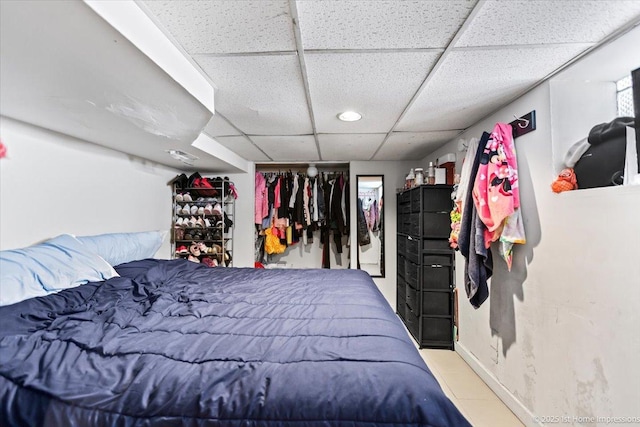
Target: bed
[174,343]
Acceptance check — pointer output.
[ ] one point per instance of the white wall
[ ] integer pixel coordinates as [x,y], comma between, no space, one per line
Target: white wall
[559,333]
[243,232]
[52,184]
[576,106]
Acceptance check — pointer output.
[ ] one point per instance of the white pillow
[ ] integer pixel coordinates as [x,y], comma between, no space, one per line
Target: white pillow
[118,248]
[60,263]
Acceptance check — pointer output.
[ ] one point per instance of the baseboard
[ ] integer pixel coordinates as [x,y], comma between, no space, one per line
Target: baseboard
[496,386]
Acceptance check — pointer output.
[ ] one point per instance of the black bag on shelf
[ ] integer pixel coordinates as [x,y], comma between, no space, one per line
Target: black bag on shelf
[602,165]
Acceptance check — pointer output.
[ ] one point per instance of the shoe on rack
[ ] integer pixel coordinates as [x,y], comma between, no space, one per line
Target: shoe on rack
[182,250]
[186,210]
[208,210]
[178,209]
[187,197]
[194,210]
[178,234]
[217,209]
[191,222]
[193,259]
[207,223]
[179,222]
[203,248]
[179,197]
[194,250]
[199,222]
[207,261]
[200,210]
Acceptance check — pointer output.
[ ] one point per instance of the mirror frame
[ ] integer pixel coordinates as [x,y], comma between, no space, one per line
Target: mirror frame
[382,235]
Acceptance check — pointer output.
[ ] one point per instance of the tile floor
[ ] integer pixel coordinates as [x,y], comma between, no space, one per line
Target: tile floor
[467,391]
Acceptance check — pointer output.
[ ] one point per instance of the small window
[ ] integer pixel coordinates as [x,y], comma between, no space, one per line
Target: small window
[625,97]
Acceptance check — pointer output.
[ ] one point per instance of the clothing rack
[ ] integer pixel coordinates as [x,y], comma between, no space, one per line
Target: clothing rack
[291,206]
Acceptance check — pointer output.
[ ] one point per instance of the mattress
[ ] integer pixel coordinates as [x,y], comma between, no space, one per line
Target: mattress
[174,343]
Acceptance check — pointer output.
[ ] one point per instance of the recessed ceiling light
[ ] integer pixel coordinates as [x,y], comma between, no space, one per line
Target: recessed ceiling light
[349,116]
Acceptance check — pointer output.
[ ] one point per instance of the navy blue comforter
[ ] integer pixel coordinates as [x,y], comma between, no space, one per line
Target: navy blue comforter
[173,343]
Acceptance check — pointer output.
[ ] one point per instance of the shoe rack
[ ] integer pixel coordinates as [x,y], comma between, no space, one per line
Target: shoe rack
[202,227]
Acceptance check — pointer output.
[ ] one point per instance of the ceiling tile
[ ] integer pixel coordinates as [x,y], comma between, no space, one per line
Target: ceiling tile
[261,95]
[218,126]
[413,145]
[350,146]
[377,85]
[380,24]
[472,84]
[288,148]
[242,147]
[227,26]
[544,22]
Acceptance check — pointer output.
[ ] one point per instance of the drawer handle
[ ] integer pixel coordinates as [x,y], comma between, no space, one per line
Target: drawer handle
[436,265]
[409,238]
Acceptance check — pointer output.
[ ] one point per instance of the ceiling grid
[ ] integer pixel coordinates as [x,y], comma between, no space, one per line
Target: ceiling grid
[418,72]
[403,65]
[303,70]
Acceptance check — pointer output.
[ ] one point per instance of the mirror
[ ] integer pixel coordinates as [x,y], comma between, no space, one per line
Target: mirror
[370,224]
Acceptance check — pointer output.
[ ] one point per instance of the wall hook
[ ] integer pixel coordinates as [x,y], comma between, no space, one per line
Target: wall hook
[520,125]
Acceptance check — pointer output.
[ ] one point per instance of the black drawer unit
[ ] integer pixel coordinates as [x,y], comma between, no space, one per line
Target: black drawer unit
[425,279]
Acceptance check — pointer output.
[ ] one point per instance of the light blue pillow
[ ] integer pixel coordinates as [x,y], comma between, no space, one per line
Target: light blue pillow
[118,248]
[60,263]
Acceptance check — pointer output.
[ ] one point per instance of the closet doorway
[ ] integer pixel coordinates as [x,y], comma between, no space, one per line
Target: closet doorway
[370,224]
[303,215]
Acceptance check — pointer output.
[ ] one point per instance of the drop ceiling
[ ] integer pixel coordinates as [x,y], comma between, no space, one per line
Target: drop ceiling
[419,72]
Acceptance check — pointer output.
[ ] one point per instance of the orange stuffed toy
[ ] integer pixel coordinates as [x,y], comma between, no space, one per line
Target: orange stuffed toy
[566,181]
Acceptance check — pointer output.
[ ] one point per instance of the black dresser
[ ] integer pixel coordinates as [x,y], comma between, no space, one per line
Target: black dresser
[426,265]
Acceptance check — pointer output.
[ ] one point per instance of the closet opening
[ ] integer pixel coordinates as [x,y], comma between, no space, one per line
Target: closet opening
[302,215]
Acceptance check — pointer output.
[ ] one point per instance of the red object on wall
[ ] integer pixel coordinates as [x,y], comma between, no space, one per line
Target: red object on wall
[3,150]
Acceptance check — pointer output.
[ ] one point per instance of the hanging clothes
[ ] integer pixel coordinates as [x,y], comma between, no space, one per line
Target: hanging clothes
[293,206]
[305,204]
[325,230]
[461,191]
[261,198]
[478,266]
[374,215]
[496,191]
[363,229]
